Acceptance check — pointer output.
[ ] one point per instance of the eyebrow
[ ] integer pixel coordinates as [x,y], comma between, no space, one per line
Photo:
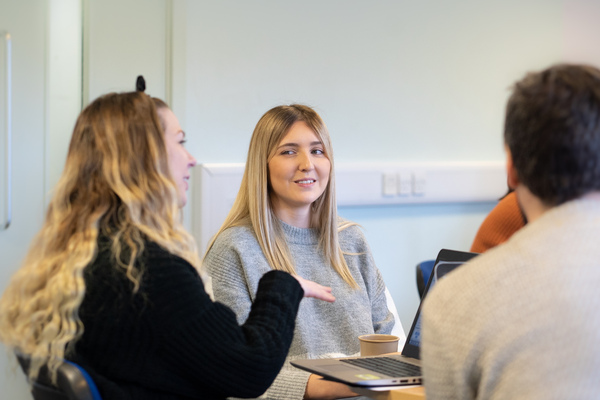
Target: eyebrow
[316,143]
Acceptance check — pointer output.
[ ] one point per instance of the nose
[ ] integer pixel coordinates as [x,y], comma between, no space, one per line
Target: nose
[192,161]
[305,162]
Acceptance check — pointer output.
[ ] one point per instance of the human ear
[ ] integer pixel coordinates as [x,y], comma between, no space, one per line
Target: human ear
[512,176]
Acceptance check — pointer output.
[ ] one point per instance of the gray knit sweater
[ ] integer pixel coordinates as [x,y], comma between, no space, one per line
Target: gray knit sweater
[236,264]
[521,321]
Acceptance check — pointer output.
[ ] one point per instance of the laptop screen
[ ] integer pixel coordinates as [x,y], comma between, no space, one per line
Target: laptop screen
[441,268]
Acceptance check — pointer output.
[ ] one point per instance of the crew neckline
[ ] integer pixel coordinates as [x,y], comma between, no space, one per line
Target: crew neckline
[297,235]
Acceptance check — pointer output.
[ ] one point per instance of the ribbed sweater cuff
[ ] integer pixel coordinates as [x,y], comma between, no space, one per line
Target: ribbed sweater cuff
[282,282]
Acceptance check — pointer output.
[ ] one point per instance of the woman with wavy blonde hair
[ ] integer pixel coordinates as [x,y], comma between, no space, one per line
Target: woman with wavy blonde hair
[111,280]
[285,218]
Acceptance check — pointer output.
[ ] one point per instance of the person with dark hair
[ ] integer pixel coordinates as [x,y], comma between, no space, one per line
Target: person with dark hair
[113,281]
[520,320]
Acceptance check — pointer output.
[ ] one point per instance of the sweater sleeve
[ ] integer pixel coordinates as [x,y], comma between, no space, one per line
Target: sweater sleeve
[229,283]
[290,384]
[203,339]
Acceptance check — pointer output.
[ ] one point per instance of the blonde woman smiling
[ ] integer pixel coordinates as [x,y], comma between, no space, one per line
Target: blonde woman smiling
[285,218]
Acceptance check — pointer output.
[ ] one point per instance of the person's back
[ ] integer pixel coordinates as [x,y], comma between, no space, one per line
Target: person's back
[160,342]
[526,327]
[519,320]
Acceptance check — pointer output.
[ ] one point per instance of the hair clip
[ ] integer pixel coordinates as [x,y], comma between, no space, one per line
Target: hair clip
[140,84]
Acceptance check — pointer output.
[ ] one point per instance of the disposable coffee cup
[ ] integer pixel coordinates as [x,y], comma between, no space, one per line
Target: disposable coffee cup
[375,344]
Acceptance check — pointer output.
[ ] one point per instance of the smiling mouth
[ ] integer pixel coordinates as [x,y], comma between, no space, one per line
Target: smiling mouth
[306,181]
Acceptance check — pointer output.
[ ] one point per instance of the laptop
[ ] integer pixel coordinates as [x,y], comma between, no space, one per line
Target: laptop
[388,370]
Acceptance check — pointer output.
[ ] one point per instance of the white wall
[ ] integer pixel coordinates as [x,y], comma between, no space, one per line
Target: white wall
[581,31]
[394,80]
[27,24]
[124,39]
[63,84]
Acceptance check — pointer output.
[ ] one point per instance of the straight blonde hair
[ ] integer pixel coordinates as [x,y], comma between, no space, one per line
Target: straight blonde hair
[253,207]
[116,183]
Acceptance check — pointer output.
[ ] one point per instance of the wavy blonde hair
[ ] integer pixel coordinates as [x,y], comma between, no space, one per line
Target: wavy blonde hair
[116,182]
[253,206]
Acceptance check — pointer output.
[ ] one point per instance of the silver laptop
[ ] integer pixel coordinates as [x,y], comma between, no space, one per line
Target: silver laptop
[401,369]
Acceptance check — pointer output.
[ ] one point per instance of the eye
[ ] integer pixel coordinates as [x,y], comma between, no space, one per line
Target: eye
[286,152]
[182,142]
[318,152]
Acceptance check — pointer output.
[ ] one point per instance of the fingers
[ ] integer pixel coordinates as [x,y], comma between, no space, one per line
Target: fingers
[314,290]
[323,293]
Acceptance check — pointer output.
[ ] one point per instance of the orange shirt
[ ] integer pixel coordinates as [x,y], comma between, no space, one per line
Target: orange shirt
[504,220]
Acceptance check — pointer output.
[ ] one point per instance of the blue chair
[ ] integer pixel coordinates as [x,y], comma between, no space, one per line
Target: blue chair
[424,269]
[72,382]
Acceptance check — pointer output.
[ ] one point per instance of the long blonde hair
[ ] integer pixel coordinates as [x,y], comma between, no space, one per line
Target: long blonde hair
[116,182]
[253,206]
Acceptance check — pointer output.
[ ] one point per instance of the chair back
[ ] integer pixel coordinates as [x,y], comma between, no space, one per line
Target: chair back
[424,269]
[72,382]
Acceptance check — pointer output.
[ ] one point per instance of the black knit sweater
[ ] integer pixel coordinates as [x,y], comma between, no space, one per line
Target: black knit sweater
[170,341]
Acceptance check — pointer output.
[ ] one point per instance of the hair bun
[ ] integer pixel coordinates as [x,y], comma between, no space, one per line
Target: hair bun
[140,84]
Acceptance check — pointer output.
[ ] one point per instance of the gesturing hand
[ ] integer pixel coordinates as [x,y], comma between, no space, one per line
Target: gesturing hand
[313,289]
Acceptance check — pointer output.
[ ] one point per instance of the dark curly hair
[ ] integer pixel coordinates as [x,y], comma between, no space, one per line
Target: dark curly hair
[552,130]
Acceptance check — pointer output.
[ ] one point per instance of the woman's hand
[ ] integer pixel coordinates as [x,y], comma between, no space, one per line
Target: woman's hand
[319,389]
[313,289]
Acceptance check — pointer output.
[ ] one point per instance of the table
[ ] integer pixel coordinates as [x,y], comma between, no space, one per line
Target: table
[400,393]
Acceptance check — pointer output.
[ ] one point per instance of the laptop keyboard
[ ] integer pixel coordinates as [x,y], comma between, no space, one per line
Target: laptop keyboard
[386,365]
